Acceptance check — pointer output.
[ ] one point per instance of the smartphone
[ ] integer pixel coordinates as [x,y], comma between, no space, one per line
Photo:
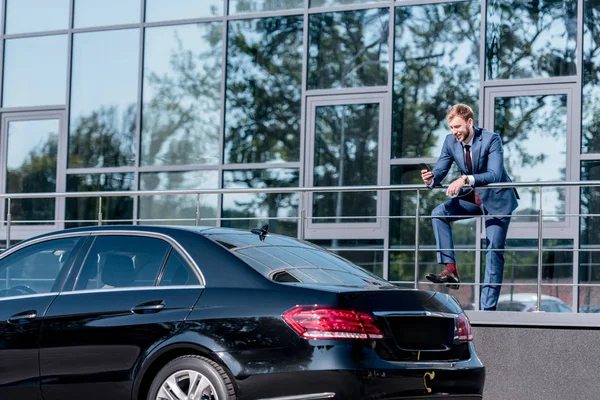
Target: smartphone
[425,166]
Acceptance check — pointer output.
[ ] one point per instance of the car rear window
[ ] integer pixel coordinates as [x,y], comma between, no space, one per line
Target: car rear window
[289,260]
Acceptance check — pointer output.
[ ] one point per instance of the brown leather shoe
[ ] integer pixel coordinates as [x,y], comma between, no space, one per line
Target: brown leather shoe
[446,277]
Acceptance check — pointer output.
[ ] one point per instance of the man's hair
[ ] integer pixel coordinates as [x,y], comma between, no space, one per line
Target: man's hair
[460,110]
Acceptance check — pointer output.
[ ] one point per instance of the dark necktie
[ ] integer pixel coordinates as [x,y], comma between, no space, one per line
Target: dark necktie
[470,169]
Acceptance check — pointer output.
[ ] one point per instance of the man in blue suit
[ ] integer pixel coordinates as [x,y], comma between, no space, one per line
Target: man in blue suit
[479,156]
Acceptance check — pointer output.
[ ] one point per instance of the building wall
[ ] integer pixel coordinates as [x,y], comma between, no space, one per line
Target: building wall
[538,363]
[157,95]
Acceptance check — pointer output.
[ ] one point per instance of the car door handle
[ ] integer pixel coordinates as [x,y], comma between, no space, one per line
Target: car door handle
[149,307]
[24,317]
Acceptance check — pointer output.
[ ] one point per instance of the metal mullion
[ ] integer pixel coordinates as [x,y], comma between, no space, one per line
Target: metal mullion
[428,2]
[531,81]
[229,167]
[2,56]
[482,30]
[37,34]
[347,91]
[3,6]
[386,138]
[223,105]
[263,15]
[33,108]
[353,7]
[179,168]
[302,143]
[187,21]
[100,170]
[138,114]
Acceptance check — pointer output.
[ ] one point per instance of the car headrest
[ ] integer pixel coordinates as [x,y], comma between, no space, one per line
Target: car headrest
[118,270]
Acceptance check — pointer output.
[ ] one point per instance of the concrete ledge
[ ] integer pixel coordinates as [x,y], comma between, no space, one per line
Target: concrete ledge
[533,319]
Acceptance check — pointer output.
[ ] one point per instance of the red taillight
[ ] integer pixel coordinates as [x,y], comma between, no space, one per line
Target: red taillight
[331,323]
[465,334]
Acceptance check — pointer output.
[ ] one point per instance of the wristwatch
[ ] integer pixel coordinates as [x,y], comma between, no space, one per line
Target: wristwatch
[465,179]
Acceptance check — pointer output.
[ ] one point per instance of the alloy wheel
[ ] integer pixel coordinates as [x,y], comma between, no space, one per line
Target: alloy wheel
[187,385]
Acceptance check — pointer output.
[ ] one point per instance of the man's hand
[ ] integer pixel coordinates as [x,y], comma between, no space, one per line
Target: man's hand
[455,187]
[427,176]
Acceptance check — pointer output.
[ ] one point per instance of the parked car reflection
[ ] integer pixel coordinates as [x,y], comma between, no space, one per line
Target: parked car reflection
[527,302]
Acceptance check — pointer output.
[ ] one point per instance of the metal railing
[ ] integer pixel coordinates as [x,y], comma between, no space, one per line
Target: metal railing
[303,216]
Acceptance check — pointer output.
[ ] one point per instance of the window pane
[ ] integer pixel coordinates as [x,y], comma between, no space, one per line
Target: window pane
[106,12]
[348,49]
[523,123]
[182,94]
[346,154]
[589,255]
[402,235]
[167,209]
[31,167]
[85,209]
[248,6]
[519,290]
[531,39]
[329,3]
[367,254]
[164,10]
[264,90]
[280,211]
[35,71]
[177,272]
[436,65]
[590,121]
[103,99]
[122,261]
[36,267]
[24,16]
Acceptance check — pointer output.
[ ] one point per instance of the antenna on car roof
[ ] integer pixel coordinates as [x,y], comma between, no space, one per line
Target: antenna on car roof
[261,232]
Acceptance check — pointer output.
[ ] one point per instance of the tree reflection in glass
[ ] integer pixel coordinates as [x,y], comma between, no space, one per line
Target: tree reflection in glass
[279,210]
[251,6]
[85,209]
[182,86]
[103,99]
[346,154]
[31,168]
[348,49]
[523,123]
[436,65]
[178,209]
[590,121]
[531,39]
[263,93]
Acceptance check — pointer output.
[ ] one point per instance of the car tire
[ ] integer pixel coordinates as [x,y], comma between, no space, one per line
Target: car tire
[207,376]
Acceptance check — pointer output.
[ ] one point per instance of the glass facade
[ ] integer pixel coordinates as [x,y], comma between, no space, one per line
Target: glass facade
[187,95]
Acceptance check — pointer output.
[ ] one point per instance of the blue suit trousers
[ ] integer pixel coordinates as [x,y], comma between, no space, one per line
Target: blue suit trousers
[495,230]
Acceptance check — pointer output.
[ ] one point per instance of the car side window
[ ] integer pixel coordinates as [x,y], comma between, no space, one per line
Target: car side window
[35,269]
[119,261]
[177,272]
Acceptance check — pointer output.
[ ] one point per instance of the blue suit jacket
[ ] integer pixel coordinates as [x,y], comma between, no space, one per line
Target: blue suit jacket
[488,167]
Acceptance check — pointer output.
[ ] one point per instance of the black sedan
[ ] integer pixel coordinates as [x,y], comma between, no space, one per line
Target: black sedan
[165,313]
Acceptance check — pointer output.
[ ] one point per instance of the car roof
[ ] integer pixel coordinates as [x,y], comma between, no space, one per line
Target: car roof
[146,228]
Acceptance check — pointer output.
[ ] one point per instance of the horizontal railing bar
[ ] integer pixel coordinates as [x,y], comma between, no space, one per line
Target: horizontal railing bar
[324,189]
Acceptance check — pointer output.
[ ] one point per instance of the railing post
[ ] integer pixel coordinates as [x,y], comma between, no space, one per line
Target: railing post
[198,210]
[8,224]
[302,213]
[417,217]
[99,210]
[540,248]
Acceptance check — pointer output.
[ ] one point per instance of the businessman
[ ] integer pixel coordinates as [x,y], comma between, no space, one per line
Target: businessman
[479,156]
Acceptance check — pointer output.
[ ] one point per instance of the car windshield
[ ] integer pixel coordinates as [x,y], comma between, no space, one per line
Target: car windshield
[289,260]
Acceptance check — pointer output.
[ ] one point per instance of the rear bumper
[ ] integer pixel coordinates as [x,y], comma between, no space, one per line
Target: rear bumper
[337,376]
